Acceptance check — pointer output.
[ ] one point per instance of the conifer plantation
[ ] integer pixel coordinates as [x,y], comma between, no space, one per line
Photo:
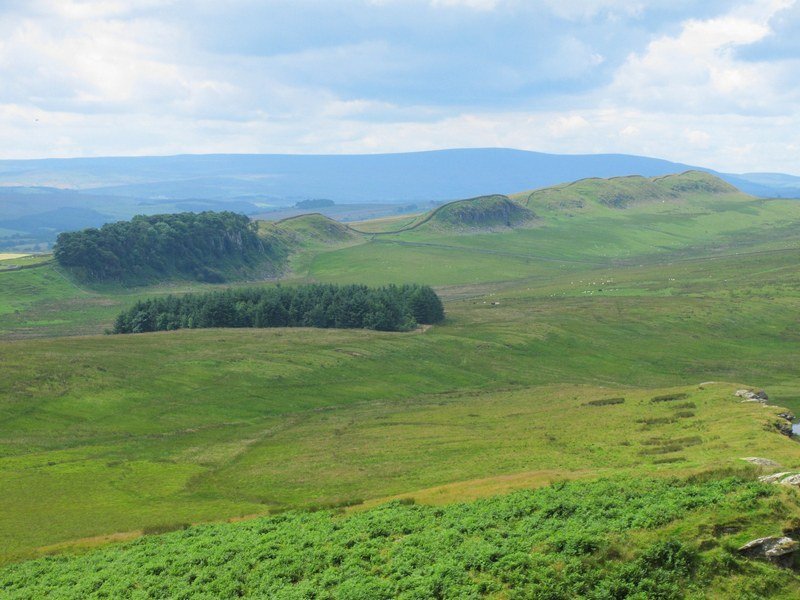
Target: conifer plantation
[389,308]
[199,246]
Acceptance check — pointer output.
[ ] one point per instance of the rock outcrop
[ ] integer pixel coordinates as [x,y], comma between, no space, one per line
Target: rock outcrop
[752,396]
[791,480]
[784,427]
[777,550]
[783,478]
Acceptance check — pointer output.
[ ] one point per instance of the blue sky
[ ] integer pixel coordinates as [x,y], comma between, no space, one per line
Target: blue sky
[714,83]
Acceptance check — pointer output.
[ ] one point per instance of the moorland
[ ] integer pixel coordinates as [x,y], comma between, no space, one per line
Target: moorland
[569,429]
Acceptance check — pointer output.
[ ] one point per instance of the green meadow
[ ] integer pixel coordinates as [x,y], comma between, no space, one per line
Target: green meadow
[558,336]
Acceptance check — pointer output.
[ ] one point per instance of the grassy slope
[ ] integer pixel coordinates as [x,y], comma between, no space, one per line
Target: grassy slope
[221,423]
[606,539]
[485,213]
[217,422]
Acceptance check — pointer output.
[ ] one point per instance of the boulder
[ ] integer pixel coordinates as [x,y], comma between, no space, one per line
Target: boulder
[751,396]
[786,415]
[775,477]
[777,550]
[761,462]
[791,480]
[784,427]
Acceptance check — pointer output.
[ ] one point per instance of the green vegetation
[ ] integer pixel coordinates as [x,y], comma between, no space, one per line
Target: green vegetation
[391,308]
[486,212]
[607,539]
[549,328]
[669,397]
[317,229]
[625,192]
[201,246]
[606,402]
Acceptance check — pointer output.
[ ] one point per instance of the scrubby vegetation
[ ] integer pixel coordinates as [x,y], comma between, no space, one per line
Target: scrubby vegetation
[669,397]
[606,402]
[202,246]
[605,539]
[390,308]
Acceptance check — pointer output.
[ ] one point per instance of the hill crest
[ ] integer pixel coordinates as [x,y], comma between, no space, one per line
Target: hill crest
[625,192]
[316,227]
[481,213]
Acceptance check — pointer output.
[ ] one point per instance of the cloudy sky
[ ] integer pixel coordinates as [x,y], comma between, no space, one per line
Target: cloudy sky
[708,82]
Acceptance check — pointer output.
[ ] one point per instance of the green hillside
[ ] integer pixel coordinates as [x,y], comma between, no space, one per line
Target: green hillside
[615,538]
[558,339]
[627,192]
[482,214]
[317,228]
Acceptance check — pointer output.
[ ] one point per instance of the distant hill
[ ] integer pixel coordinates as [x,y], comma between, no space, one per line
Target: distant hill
[314,203]
[404,177]
[624,192]
[316,228]
[498,212]
[122,187]
[483,213]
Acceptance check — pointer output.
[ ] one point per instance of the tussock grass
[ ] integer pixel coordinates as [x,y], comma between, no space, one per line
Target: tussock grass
[605,402]
[669,397]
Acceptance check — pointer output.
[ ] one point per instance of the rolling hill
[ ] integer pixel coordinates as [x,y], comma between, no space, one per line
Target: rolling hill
[574,414]
[481,214]
[625,192]
[432,175]
[121,187]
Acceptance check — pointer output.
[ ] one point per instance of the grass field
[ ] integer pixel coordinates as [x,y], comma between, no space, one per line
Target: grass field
[150,431]
[10,256]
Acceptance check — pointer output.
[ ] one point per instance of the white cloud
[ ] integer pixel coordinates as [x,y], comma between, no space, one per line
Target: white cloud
[697,71]
[112,77]
[569,124]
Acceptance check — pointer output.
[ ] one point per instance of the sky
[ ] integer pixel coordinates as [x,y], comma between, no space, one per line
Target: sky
[706,82]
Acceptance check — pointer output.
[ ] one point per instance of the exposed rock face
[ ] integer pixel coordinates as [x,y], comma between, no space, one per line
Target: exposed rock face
[785,427]
[791,480]
[777,550]
[751,396]
[775,477]
[761,462]
[783,478]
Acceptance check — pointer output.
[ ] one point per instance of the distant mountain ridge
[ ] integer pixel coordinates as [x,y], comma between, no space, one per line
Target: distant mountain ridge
[401,177]
[121,187]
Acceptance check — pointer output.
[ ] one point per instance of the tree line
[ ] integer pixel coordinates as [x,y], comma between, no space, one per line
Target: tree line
[389,308]
[195,245]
